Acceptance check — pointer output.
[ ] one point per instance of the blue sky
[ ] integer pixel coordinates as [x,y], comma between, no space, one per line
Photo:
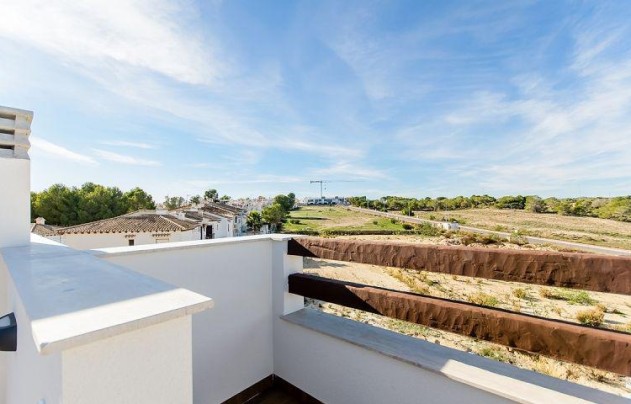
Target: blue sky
[417,98]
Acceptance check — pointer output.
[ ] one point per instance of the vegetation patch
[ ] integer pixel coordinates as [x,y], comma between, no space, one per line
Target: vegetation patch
[483,299]
[592,317]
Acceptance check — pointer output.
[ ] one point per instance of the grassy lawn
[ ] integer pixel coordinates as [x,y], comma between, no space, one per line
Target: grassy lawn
[588,230]
[335,218]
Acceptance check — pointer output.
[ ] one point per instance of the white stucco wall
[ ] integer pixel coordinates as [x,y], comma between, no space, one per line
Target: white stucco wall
[15,213]
[31,377]
[335,371]
[4,304]
[151,365]
[233,342]
[88,241]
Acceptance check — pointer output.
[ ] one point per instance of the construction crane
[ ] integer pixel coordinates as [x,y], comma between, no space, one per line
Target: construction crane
[322,182]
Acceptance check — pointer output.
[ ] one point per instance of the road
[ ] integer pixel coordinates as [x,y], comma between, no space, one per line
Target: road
[529,239]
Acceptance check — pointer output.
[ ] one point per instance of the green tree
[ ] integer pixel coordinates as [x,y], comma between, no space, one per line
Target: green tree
[195,199]
[137,199]
[287,202]
[96,202]
[511,202]
[534,204]
[211,195]
[618,208]
[173,202]
[58,205]
[225,199]
[274,214]
[254,220]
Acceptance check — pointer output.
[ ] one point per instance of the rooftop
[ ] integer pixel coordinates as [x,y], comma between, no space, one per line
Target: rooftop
[140,221]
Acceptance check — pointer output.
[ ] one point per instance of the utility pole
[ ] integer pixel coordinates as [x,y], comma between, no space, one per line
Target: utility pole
[318,182]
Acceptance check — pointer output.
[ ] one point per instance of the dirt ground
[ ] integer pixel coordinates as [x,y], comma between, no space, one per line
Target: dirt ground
[542,301]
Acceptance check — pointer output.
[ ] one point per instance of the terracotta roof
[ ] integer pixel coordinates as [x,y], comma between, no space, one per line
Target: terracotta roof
[136,222]
[200,215]
[222,209]
[44,229]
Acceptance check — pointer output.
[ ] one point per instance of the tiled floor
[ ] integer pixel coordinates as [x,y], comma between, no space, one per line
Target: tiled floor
[275,396]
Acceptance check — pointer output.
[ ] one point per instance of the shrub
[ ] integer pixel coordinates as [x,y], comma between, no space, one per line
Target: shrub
[494,353]
[520,293]
[580,297]
[572,297]
[427,229]
[375,222]
[294,221]
[407,226]
[483,299]
[394,221]
[591,317]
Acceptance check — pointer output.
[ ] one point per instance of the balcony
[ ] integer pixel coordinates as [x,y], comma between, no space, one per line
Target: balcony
[137,324]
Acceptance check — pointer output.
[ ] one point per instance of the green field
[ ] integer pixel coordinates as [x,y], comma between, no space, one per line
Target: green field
[335,218]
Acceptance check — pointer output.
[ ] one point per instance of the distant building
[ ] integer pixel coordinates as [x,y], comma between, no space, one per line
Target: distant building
[326,201]
[450,226]
[137,228]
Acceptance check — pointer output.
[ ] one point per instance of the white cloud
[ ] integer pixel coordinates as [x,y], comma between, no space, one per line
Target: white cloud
[125,143]
[350,170]
[50,149]
[145,34]
[125,159]
[259,179]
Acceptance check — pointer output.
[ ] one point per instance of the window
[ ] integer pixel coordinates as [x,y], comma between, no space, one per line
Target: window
[131,241]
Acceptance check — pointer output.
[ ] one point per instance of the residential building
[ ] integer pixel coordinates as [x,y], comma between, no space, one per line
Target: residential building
[212,226]
[42,229]
[136,228]
[237,216]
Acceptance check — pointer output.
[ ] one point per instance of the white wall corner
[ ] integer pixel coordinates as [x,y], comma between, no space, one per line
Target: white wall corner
[15,176]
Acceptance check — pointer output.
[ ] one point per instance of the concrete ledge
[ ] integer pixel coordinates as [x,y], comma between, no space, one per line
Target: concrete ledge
[498,378]
[72,298]
[183,245]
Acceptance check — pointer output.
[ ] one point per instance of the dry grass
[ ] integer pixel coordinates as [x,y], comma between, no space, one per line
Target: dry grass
[591,317]
[604,232]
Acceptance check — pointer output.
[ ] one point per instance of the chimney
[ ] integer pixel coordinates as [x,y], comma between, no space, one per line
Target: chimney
[15,177]
[40,220]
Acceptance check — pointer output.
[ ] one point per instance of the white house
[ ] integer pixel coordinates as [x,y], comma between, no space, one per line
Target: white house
[141,227]
[236,216]
[212,226]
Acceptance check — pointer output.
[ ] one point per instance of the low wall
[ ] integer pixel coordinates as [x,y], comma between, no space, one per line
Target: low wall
[233,342]
[335,371]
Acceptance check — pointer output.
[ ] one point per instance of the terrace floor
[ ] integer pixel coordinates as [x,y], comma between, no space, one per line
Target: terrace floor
[275,395]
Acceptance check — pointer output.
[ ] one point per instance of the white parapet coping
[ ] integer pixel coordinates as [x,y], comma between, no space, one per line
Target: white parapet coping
[184,245]
[500,379]
[72,298]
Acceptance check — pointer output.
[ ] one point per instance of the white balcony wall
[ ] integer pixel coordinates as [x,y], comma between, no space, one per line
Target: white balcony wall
[233,342]
[92,332]
[335,371]
[30,376]
[150,365]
